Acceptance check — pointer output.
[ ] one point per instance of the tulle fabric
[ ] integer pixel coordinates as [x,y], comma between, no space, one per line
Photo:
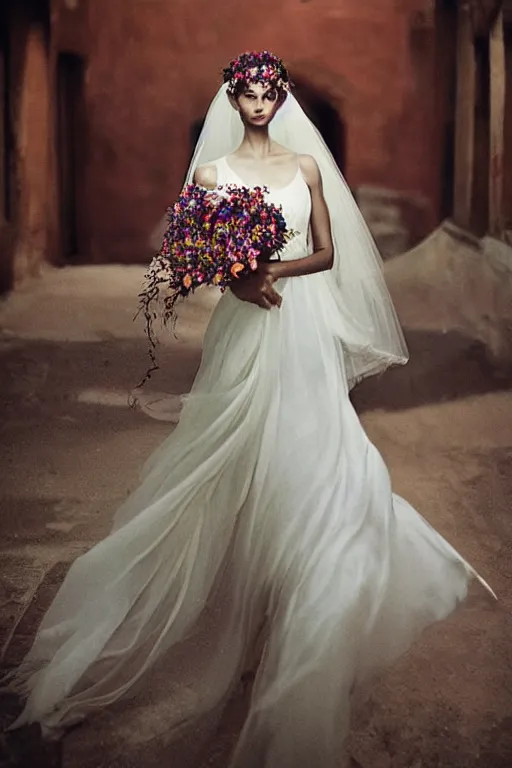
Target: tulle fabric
[267,506]
[372,336]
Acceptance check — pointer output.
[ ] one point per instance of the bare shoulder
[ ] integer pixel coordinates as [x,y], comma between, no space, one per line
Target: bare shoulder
[310,170]
[206,176]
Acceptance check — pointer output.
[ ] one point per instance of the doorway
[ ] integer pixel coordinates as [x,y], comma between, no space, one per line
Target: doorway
[70,151]
[446,88]
[325,117]
[6,137]
[481,155]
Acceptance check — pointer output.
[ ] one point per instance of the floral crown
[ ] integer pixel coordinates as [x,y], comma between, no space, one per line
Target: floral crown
[257,67]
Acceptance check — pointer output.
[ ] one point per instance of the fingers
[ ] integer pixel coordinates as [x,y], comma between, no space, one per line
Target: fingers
[270,292]
[264,303]
[273,296]
[266,299]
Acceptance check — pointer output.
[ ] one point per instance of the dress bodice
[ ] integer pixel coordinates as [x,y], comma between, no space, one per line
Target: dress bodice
[294,199]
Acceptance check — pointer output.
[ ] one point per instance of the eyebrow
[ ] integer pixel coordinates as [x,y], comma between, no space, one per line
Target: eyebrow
[249,89]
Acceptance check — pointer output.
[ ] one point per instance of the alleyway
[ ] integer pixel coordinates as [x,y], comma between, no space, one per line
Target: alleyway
[71,449]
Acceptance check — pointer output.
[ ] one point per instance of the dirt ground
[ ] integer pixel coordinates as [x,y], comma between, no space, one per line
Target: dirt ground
[70,453]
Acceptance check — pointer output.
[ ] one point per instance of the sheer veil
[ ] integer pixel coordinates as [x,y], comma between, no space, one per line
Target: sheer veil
[367,324]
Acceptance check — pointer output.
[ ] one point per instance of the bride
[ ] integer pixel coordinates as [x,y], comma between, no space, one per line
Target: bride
[267,515]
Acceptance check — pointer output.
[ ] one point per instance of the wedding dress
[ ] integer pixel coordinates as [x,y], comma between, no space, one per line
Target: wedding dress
[268,503]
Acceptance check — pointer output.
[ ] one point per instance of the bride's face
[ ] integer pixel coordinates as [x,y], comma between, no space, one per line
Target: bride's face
[258,104]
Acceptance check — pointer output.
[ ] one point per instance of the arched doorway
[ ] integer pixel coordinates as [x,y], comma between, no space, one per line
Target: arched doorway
[195,131]
[324,115]
[320,111]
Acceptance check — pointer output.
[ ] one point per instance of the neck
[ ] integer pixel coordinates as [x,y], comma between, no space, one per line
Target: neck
[257,141]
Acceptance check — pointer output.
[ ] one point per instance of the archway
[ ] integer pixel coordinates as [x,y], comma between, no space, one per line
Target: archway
[324,115]
[195,131]
[320,111]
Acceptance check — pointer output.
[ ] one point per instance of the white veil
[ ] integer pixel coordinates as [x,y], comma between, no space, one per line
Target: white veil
[368,325]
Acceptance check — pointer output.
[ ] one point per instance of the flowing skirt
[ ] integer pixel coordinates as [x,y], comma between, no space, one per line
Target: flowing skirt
[268,503]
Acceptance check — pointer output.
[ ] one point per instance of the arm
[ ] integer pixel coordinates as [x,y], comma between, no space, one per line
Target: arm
[206,176]
[322,258]
[258,287]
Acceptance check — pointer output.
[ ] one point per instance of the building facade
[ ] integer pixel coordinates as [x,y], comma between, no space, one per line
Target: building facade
[101,104]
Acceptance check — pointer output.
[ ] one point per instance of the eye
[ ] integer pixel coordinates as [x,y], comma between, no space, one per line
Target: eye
[271,95]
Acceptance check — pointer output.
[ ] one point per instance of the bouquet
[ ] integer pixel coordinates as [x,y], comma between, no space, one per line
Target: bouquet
[213,237]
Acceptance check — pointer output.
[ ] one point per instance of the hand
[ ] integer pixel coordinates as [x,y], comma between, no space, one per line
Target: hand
[213,197]
[257,288]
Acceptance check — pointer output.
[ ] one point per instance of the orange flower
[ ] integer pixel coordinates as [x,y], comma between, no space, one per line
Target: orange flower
[187,281]
[236,268]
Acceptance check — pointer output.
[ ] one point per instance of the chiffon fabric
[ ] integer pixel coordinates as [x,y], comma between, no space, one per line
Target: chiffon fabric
[372,336]
[267,506]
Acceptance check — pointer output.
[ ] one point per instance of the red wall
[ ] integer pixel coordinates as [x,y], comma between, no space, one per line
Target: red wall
[152,68]
[27,208]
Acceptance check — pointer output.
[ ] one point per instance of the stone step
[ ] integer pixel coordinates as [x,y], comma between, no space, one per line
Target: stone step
[381,212]
[390,240]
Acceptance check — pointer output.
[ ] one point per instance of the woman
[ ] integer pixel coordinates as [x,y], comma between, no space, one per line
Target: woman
[267,513]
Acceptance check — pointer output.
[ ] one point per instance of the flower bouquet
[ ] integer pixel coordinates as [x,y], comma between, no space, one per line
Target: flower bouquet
[213,237]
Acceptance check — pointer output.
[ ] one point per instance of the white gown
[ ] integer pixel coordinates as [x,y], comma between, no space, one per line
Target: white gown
[268,503]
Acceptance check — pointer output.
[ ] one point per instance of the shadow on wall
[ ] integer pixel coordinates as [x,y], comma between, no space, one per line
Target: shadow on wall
[71,156]
[194,133]
[324,115]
